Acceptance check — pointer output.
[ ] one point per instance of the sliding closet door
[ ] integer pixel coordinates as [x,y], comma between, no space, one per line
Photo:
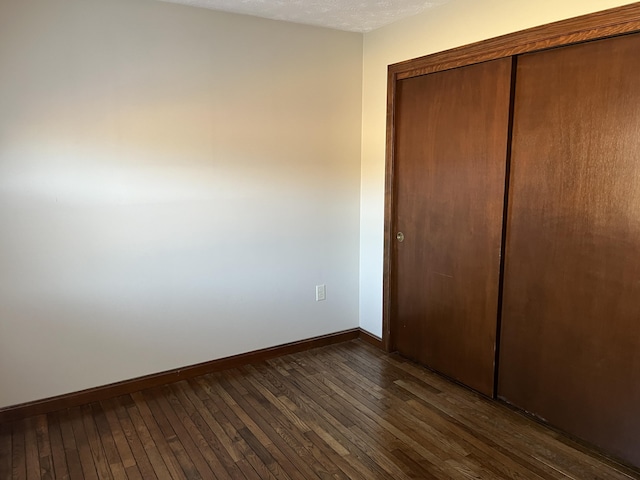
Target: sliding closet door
[450,157]
[570,343]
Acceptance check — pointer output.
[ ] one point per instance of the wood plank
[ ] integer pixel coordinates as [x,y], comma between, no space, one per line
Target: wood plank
[119,437]
[212,416]
[82,444]
[320,411]
[330,447]
[171,461]
[414,467]
[429,420]
[454,402]
[202,435]
[330,463]
[180,429]
[31,449]
[283,438]
[390,434]
[44,448]
[255,434]
[347,411]
[118,405]
[169,434]
[95,443]
[344,467]
[112,456]
[207,410]
[155,458]
[376,412]
[18,452]
[60,469]
[506,427]
[70,448]
[6,454]
[246,460]
[433,389]
[260,459]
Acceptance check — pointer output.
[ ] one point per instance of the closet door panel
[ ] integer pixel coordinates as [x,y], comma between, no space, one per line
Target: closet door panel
[570,338]
[450,158]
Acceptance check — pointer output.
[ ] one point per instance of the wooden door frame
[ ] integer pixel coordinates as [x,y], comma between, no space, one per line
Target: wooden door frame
[594,26]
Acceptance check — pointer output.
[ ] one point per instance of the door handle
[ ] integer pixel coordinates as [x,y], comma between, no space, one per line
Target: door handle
[400,237]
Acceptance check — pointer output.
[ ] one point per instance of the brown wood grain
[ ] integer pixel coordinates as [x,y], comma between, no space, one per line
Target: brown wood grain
[362,423]
[259,460]
[323,417]
[18,456]
[323,444]
[290,427]
[389,212]
[119,437]
[95,443]
[165,433]
[344,411]
[70,446]
[44,448]
[60,469]
[607,23]
[142,459]
[183,432]
[105,436]
[570,348]
[90,468]
[284,446]
[215,453]
[5,450]
[450,161]
[399,427]
[447,437]
[156,459]
[31,449]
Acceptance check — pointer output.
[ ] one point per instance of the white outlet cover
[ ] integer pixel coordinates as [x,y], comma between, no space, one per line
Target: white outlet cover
[321,292]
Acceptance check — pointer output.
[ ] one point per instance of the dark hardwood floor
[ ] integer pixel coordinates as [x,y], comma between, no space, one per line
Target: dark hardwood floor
[342,411]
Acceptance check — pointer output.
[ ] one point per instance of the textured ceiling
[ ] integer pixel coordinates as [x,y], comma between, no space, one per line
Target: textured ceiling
[351,15]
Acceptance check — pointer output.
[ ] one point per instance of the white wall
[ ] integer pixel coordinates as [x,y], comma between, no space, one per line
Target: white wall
[456,23]
[174,182]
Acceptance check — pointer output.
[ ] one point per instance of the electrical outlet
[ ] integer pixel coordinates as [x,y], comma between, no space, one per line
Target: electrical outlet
[321,292]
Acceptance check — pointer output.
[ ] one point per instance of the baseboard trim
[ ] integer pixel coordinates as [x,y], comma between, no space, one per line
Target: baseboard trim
[52,404]
[371,339]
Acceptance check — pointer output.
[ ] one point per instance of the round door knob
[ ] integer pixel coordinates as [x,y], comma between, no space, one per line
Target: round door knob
[400,236]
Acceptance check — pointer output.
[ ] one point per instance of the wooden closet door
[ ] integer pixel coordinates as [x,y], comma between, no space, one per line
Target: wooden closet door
[570,342]
[449,172]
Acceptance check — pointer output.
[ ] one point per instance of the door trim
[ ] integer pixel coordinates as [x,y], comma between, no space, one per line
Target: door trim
[594,26]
